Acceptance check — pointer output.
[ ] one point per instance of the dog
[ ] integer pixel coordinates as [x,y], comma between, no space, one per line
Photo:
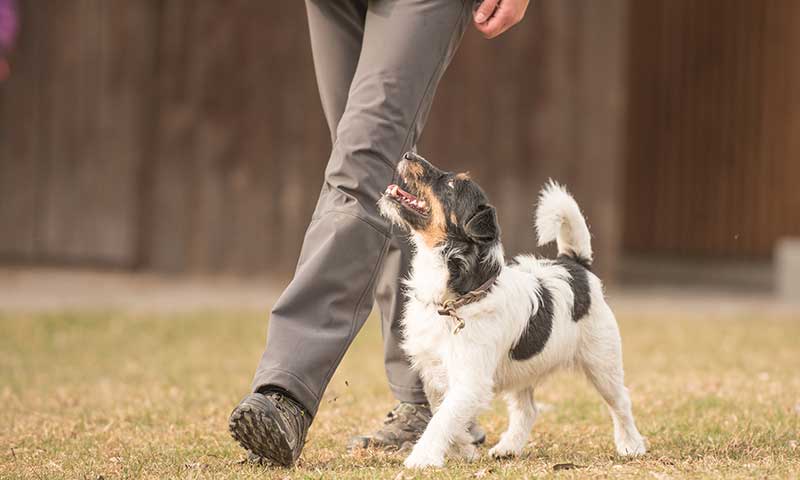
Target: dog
[475,326]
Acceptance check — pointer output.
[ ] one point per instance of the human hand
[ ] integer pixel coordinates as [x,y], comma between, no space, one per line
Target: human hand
[493,17]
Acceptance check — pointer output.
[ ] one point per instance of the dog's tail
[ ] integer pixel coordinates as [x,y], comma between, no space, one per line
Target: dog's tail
[559,218]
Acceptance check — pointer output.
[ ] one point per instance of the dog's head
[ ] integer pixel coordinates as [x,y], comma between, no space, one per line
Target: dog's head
[449,214]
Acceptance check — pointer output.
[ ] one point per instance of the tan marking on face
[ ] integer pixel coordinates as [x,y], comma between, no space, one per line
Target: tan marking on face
[463,176]
[435,233]
[453,218]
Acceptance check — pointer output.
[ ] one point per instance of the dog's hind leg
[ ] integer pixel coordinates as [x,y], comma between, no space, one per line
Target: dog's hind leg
[521,416]
[601,360]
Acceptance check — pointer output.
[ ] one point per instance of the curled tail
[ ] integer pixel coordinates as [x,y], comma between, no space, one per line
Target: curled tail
[559,218]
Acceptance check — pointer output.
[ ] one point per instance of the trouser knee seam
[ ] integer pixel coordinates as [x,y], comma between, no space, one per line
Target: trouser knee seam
[371,223]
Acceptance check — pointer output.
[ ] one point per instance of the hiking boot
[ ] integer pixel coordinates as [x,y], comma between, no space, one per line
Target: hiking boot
[402,428]
[271,426]
[478,434]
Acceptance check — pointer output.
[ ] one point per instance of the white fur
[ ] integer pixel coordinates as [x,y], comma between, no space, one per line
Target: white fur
[558,218]
[461,372]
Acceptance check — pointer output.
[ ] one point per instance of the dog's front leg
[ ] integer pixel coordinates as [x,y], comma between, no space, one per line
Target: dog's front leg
[469,391]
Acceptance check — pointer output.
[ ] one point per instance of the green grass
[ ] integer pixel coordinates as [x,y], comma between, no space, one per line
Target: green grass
[91,394]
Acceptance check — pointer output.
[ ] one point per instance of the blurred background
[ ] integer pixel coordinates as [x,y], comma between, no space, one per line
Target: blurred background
[186,137]
[160,159]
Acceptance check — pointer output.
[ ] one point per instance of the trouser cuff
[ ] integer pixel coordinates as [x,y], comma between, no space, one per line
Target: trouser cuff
[410,395]
[293,385]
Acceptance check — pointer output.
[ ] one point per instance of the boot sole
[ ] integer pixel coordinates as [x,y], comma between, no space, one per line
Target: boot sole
[253,426]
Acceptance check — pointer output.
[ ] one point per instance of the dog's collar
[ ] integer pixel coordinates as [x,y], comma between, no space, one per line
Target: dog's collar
[449,307]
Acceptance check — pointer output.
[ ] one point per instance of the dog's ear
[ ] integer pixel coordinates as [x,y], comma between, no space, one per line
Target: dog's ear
[482,227]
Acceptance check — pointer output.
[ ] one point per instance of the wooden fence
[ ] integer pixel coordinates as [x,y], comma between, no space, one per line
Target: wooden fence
[714,127]
[187,136]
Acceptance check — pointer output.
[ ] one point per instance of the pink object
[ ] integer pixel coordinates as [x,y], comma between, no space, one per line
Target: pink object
[9,25]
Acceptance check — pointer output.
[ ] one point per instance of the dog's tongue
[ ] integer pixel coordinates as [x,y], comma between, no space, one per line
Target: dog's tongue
[396,191]
[399,193]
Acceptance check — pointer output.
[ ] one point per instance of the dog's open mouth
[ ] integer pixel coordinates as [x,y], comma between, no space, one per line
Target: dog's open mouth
[407,200]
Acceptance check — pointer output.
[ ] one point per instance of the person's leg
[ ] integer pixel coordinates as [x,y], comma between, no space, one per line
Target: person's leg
[341,23]
[403,380]
[336,30]
[271,424]
[405,49]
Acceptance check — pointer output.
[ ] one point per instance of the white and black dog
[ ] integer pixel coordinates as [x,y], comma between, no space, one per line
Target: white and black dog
[475,326]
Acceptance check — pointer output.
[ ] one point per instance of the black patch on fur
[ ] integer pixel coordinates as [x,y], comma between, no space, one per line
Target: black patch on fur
[580,260]
[578,269]
[471,238]
[536,334]
[482,226]
[468,269]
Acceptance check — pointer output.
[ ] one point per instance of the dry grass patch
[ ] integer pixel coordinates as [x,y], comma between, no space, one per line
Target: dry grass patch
[116,395]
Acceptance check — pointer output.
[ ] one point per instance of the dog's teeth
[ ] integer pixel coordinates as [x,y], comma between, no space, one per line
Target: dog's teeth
[421,203]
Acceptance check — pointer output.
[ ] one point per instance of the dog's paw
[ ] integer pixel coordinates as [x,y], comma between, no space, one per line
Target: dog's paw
[466,451]
[506,449]
[419,460]
[500,451]
[631,447]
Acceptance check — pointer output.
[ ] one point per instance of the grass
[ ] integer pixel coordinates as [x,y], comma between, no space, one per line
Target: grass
[117,395]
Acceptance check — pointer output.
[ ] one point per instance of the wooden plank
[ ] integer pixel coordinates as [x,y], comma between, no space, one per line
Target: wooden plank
[709,142]
[86,99]
[242,142]
[780,123]
[20,171]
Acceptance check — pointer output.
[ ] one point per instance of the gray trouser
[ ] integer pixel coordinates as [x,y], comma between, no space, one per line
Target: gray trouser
[378,63]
